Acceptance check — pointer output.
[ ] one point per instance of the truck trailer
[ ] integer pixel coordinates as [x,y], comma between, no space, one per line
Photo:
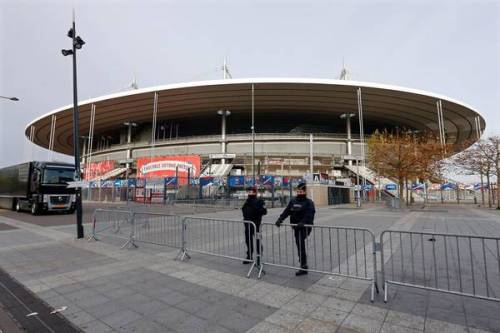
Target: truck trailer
[38,187]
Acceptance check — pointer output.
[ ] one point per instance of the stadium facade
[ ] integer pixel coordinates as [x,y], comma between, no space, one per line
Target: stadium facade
[300,126]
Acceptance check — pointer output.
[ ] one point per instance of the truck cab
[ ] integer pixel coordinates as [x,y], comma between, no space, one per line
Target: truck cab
[38,187]
[48,187]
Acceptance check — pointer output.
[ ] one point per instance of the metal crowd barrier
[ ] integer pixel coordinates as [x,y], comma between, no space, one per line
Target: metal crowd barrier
[158,229]
[466,265]
[113,223]
[221,238]
[343,251]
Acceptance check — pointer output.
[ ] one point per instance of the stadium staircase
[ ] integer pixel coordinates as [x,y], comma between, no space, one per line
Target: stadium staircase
[371,177]
[217,170]
[111,174]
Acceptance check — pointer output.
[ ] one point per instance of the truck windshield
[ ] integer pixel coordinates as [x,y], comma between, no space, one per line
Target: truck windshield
[58,176]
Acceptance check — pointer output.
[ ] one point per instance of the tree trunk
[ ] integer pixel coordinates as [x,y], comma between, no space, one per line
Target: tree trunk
[441,190]
[498,188]
[482,187]
[401,188]
[489,189]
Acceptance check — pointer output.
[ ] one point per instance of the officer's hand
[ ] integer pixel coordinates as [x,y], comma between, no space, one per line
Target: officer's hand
[300,225]
[278,223]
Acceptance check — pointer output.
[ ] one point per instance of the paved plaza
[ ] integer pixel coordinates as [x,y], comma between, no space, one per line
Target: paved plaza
[103,288]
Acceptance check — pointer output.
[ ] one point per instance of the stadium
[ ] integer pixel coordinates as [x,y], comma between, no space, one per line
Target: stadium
[197,129]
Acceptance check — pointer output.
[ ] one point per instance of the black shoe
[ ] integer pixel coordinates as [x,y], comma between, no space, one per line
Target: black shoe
[247,261]
[303,271]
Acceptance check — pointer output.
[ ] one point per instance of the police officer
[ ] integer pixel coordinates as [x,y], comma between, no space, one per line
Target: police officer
[301,211]
[253,209]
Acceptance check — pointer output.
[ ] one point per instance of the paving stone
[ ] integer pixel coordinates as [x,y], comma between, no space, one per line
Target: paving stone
[96,327]
[121,318]
[92,301]
[362,324]
[106,309]
[169,316]
[338,304]
[69,288]
[285,318]
[389,328]
[144,325]
[79,318]
[405,320]
[173,298]
[304,303]
[332,316]
[438,326]
[451,315]
[266,327]
[487,323]
[120,292]
[238,322]
[190,324]
[310,325]
[253,309]
[370,311]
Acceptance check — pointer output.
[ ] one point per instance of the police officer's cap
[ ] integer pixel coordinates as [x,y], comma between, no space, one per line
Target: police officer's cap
[301,186]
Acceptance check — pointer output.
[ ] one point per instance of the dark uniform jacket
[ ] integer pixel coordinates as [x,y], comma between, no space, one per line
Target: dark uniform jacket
[300,210]
[253,209]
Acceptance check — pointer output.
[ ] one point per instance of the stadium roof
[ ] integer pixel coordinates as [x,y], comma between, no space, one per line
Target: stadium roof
[382,103]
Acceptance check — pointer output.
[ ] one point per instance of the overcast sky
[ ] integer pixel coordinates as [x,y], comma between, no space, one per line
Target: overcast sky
[446,47]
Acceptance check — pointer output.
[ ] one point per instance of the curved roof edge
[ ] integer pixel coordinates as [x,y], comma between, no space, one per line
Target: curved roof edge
[359,84]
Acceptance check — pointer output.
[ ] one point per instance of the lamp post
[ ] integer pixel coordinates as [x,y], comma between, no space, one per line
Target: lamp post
[15,99]
[77,44]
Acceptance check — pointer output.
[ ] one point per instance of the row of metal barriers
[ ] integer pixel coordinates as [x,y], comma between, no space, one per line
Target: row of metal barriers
[466,265]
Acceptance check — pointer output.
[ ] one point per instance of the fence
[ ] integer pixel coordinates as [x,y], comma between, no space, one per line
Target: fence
[342,251]
[158,229]
[466,265]
[222,238]
[114,223]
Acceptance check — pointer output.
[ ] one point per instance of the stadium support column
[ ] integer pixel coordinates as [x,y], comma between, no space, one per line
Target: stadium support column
[224,114]
[311,153]
[362,136]
[253,135]
[347,117]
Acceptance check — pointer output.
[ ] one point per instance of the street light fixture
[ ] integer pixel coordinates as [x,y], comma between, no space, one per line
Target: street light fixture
[15,99]
[77,44]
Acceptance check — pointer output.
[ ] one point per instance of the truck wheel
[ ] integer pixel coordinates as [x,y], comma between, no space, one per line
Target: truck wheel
[34,208]
[18,206]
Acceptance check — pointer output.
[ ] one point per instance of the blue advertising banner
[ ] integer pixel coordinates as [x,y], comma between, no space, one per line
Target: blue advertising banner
[235,181]
[267,180]
[418,186]
[170,181]
[449,186]
[391,187]
[249,181]
[204,181]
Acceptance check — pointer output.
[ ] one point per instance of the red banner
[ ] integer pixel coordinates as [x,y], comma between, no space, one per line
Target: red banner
[165,166]
[97,169]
